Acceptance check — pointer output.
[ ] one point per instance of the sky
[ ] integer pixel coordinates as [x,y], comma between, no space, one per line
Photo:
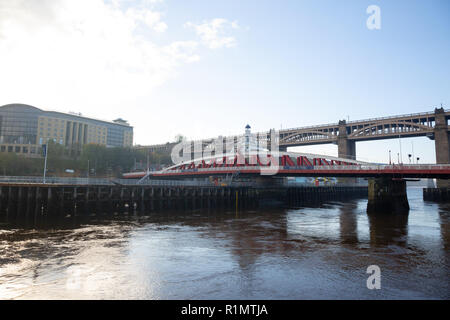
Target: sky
[204,68]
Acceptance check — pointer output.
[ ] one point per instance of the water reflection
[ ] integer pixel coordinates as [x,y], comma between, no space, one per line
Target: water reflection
[444,220]
[388,229]
[348,223]
[297,253]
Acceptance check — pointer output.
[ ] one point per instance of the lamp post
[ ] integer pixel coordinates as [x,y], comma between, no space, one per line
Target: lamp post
[45,153]
[390,162]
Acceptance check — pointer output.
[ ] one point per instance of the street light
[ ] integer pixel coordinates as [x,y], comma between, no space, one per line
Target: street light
[45,153]
[390,157]
[418,160]
[409,157]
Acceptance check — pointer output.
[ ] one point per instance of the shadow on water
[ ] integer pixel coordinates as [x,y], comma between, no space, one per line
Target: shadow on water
[348,223]
[444,221]
[388,229]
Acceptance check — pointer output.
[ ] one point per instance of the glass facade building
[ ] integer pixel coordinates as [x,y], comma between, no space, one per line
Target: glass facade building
[24,128]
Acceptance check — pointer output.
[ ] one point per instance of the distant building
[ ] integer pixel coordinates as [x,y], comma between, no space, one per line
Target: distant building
[24,128]
[158,148]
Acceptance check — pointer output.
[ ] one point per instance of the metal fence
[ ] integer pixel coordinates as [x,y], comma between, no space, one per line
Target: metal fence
[55,180]
[113,181]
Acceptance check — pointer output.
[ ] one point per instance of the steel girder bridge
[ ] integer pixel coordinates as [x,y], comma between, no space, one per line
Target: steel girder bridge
[345,134]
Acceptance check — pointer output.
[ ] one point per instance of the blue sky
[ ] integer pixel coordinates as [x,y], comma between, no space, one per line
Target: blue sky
[272,64]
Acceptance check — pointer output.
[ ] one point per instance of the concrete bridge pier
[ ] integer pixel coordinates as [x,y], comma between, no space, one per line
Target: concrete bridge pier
[387,196]
[441,143]
[346,147]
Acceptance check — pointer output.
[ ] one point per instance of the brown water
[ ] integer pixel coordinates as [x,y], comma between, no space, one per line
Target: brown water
[298,253]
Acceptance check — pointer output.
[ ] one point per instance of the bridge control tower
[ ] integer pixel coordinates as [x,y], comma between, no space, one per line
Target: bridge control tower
[247,139]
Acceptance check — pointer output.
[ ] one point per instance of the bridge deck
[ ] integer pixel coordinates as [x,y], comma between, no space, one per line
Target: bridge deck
[395,171]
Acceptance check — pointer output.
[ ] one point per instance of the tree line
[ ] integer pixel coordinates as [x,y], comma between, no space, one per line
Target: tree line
[92,160]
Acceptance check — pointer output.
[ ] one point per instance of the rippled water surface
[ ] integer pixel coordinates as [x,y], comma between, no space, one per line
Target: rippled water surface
[299,253]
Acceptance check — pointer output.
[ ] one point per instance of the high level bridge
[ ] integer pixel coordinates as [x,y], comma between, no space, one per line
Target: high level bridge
[434,125]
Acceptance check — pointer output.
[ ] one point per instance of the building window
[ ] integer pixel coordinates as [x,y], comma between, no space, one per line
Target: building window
[33,150]
[3,148]
[10,148]
[17,149]
[25,149]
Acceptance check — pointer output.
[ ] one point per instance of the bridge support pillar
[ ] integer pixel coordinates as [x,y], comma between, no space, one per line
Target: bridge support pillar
[441,143]
[387,196]
[346,147]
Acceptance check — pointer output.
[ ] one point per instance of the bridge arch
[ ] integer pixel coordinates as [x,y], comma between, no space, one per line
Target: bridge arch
[310,135]
[390,127]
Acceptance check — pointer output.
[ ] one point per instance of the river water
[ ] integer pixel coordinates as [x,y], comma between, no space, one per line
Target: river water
[289,253]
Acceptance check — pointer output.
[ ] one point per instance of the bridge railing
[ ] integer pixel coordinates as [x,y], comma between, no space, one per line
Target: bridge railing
[411,115]
[111,182]
[54,180]
[380,167]
[383,167]
[152,182]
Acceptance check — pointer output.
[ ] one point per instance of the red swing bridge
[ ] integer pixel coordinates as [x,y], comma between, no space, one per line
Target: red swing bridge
[290,164]
[386,182]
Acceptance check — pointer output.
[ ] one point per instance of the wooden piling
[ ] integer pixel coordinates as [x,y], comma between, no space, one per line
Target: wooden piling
[53,201]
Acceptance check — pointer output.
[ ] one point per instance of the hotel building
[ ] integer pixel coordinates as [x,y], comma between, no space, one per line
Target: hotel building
[24,128]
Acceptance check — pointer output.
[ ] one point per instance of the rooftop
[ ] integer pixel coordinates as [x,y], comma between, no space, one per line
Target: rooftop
[118,121]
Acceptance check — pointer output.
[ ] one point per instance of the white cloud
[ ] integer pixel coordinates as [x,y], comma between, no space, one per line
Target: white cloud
[83,53]
[214,33]
[183,50]
[150,18]
[160,27]
[103,58]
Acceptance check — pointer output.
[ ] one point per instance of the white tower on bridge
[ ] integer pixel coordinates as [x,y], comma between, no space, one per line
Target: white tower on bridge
[247,138]
[248,143]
